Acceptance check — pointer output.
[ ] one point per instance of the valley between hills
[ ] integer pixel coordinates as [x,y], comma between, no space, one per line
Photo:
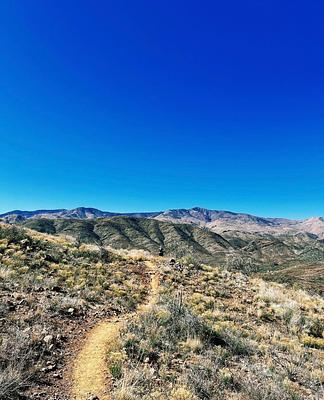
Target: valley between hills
[90,311]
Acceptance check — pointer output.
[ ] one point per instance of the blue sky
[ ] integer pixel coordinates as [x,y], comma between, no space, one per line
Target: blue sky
[129,106]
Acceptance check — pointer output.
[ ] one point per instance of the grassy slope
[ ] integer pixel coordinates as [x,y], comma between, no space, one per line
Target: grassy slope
[48,287]
[218,335]
[251,252]
[146,234]
[213,334]
[308,277]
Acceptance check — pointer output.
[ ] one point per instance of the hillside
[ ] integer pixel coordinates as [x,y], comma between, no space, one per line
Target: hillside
[236,250]
[51,290]
[71,311]
[140,233]
[272,250]
[215,334]
[305,276]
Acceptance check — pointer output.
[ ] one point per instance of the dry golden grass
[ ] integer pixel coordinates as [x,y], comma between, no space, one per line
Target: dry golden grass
[272,339]
[205,333]
[46,285]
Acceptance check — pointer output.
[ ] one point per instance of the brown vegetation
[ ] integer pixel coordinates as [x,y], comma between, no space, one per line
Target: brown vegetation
[49,287]
[211,333]
[216,334]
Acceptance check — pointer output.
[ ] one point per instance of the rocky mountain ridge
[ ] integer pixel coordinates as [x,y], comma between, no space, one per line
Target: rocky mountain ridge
[215,220]
[75,213]
[220,221]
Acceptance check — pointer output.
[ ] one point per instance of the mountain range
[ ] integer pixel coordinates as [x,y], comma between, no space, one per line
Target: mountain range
[296,258]
[75,213]
[279,249]
[214,220]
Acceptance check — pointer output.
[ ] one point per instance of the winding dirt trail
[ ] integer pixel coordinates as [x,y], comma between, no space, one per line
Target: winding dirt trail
[90,376]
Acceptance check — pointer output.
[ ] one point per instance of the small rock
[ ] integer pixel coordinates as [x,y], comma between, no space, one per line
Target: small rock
[49,367]
[48,339]
[38,395]
[23,302]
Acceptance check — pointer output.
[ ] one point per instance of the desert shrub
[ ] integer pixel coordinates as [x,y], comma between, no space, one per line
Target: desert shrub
[260,383]
[134,383]
[202,376]
[238,344]
[20,352]
[12,380]
[12,234]
[294,367]
[240,262]
[165,327]
[153,341]
[316,327]
[190,260]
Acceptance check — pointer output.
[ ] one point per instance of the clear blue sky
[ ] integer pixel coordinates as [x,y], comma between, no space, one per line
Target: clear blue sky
[147,105]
